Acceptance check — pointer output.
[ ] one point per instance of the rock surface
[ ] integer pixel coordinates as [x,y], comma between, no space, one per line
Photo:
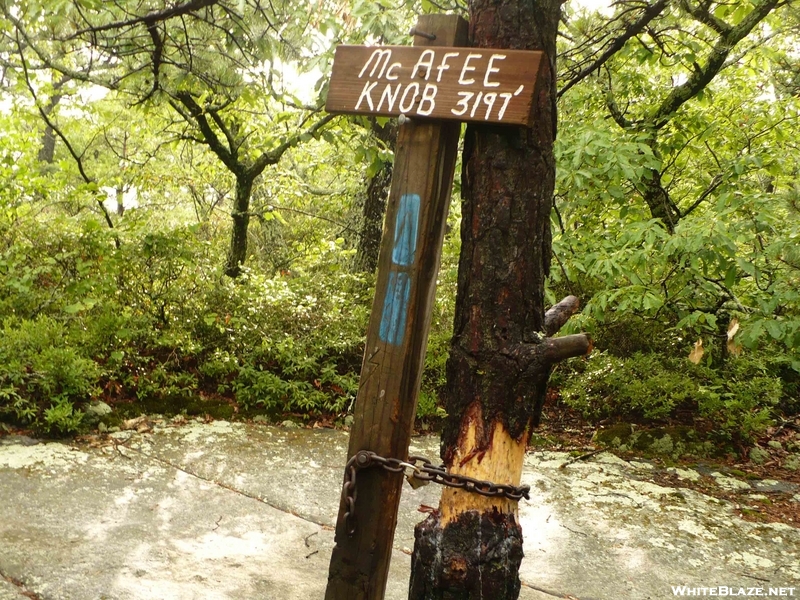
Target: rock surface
[226,511]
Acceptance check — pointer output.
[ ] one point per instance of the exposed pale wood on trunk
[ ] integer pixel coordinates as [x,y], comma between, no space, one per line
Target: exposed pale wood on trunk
[501,462]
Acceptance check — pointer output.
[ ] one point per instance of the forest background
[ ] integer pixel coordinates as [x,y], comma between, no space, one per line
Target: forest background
[184,230]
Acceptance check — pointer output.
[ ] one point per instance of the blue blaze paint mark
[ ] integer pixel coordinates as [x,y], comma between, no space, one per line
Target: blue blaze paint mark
[395,304]
[405,230]
[395,308]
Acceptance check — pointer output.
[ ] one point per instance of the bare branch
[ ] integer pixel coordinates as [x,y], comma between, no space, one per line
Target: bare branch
[569,346]
[226,131]
[273,207]
[633,29]
[149,19]
[210,138]
[702,75]
[616,114]
[274,155]
[70,148]
[548,351]
[715,183]
[702,14]
[44,58]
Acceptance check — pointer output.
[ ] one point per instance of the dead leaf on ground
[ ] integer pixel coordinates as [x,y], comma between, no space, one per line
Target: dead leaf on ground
[140,424]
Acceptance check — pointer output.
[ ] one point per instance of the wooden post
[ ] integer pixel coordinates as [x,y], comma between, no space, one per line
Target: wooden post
[410,253]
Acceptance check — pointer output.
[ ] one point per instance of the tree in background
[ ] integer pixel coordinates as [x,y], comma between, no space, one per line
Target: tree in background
[213,62]
[678,149]
[375,198]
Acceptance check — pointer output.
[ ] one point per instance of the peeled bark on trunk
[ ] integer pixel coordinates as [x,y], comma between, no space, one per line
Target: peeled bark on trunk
[500,357]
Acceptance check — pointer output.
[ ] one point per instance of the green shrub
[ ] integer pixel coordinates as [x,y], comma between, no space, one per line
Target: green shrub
[746,394]
[736,402]
[290,343]
[42,377]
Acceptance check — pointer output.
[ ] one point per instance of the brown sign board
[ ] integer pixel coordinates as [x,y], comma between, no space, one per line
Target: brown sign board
[488,85]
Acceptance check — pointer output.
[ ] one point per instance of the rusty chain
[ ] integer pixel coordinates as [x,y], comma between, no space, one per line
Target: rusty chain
[423,471]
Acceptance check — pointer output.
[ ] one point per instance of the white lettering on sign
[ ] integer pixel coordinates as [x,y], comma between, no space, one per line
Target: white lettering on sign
[492,69]
[425,60]
[470,84]
[406,108]
[489,99]
[429,96]
[378,55]
[443,66]
[466,68]
[392,67]
[387,95]
[365,93]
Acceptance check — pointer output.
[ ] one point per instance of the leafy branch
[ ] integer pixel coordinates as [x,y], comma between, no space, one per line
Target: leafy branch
[149,19]
[633,29]
[78,158]
[701,76]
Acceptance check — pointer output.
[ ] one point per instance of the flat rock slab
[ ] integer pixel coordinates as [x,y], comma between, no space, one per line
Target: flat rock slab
[229,511]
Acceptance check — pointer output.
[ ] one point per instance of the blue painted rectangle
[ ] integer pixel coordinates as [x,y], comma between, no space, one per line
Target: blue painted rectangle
[405,230]
[395,309]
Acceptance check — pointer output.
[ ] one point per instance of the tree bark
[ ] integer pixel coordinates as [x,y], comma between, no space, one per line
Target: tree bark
[500,357]
[659,201]
[377,194]
[47,151]
[237,252]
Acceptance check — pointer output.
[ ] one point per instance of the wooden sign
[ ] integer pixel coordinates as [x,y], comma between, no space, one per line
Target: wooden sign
[462,84]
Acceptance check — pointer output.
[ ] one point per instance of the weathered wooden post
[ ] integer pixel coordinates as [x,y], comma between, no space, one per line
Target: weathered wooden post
[432,87]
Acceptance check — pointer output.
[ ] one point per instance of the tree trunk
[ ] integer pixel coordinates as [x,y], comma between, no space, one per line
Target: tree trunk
[241,219]
[120,194]
[500,358]
[47,151]
[658,200]
[369,240]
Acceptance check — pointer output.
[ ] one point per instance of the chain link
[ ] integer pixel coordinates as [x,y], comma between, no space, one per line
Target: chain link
[423,470]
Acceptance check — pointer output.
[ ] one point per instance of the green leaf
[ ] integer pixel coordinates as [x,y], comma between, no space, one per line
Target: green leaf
[774,329]
[730,276]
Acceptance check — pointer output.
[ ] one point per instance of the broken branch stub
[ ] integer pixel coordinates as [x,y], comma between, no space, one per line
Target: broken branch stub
[552,350]
[558,315]
[555,350]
